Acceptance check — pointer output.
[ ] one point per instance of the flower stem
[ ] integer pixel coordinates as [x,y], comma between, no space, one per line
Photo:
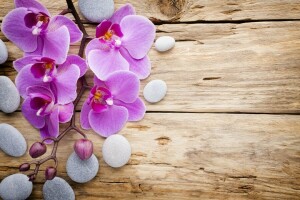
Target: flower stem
[83,87]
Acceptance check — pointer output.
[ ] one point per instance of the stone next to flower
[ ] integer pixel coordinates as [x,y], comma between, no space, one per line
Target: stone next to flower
[122,43]
[112,103]
[30,27]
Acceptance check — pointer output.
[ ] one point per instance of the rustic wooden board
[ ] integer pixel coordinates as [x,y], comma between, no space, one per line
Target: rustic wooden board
[248,67]
[189,156]
[194,10]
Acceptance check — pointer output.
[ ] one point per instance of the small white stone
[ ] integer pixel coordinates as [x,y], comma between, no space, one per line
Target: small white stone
[15,187]
[82,171]
[164,43]
[12,141]
[155,91]
[58,189]
[3,52]
[9,95]
[116,151]
[96,10]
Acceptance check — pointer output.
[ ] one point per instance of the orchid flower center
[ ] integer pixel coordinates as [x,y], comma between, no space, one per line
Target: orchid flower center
[45,68]
[37,22]
[109,34]
[42,103]
[100,98]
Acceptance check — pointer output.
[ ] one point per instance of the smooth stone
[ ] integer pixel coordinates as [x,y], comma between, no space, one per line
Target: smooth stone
[9,95]
[96,10]
[116,151]
[15,187]
[164,43]
[155,91]
[82,171]
[3,52]
[12,141]
[58,189]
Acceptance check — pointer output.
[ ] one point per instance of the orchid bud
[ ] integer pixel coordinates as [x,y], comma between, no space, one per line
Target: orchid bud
[50,173]
[37,149]
[24,167]
[83,148]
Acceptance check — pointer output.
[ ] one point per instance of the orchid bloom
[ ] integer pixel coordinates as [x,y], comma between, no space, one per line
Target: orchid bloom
[43,71]
[30,27]
[122,43]
[41,109]
[112,103]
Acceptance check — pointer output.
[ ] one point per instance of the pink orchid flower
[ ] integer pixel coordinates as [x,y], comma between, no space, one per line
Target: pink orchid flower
[41,109]
[112,103]
[122,43]
[43,71]
[30,27]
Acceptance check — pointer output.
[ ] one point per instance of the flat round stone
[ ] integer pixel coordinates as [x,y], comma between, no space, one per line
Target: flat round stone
[164,43]
[96,10]
[9,95]
[58,189]
[15,187]
[116,151]
[3,52]
[82,171]
[12,141]
[155,91]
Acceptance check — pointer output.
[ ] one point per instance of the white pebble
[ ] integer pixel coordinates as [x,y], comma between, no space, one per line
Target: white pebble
[96,10]
[82,171]
[15,187]
[3,52]
[12,141]
[58,189]
[155,91]
[164,43]
[9,95]
[116,151]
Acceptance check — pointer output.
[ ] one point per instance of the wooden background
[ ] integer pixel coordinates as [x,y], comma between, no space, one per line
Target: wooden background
[229,127]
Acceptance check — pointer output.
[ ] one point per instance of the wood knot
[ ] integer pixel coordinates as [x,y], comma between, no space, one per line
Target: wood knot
[163,140]
[171,8]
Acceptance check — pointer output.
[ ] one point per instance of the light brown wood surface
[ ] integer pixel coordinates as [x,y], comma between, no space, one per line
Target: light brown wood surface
[229,127]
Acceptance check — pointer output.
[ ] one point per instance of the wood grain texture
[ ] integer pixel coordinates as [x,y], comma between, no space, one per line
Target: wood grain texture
[248,67]
[189,156]
[194,10]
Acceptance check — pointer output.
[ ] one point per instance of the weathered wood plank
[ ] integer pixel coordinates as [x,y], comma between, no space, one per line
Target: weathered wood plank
[194,10]
[249,67]
[189,156]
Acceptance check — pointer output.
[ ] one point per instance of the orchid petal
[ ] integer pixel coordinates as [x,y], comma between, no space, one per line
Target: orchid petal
[103,63]
[140,67]
[95,44]
[139,33]
[58,21]
[14,29]
[136,110]
[125,10]
[84,116]
[124,86]
[56,44]
[78,61]
[110,121]
[65,112]
[32,5]
[51,128]
[40,91]
[31,116]
[22,62]
[39,49]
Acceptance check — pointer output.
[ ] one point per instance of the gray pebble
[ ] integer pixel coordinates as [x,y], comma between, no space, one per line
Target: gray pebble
[155,91]
[9,95]
[3,52]
[58,189]
[96,10]
[116,151]
[12,141]
[82,171]
[164,43]
[15,187]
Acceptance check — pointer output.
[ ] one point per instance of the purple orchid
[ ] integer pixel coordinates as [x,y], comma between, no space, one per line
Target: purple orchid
[30,27]
[112,103]
[43,71]
[122,43]
[41,109]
